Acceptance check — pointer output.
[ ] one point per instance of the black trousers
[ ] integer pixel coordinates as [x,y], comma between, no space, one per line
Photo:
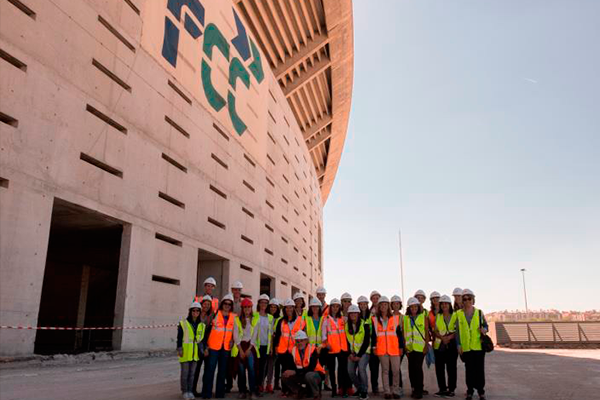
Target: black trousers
[475,371]
[415,370]
[197,374]
[343,379]
[262,366]
[445,361]
[374,368]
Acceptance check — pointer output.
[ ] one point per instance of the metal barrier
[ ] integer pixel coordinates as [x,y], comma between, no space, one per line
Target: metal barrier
[550,333]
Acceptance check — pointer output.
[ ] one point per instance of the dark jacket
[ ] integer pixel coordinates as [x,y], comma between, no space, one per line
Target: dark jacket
[287,363]
[366,341]
[195,325]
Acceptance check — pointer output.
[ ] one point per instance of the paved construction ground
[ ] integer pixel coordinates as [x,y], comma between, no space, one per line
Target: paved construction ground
[511,374]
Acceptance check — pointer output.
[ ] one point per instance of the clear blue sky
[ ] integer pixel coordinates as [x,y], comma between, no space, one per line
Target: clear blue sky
[475,128]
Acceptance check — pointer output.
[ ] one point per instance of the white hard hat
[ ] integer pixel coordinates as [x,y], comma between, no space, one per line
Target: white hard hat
[289,303]
[300,335]
[346,296]
[195,305]
[384,299]
[237,285]
[374,293]
[274,301]
[263,296]
[314,302]
[420,293]
[206,298]
[457,292]
[353,308]
[434,295]
[210,280]
[335,301]
[468,292]
[445,299]
[297,296]
[362,299]
[413,302]
[228,296]
[321,290]
[396,299]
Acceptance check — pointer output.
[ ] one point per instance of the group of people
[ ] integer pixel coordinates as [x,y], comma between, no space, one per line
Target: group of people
[301,351]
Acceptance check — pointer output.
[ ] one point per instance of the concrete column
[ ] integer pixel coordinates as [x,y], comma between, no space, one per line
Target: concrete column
[26,216]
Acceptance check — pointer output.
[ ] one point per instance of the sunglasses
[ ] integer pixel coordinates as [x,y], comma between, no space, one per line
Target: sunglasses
[467,298]
[228,304]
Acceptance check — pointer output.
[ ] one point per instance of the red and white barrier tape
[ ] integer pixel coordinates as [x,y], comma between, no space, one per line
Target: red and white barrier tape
[65,328]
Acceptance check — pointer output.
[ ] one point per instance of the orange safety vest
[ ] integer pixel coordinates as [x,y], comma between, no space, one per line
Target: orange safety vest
[286,340]
[431,319]
[220,335]
[215,304]
[305,361]
[387,340]
[325,311]
[336,335]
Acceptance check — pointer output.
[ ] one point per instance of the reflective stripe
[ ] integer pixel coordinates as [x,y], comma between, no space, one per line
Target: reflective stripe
[414,335]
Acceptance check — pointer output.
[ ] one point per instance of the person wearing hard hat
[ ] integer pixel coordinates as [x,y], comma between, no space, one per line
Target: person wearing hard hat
[190,332]
[302,368]
[396,304]
[420,295]
[314,322]
[236,290]
[264,338]
[285,331]
[363,305]
[358,335]
[220,343]
[299,304]
[434,299]
[273,367]
[457,294]
[209,288]
[416,337]
[470,325]
[335,348]
[245,336]
[346,302]
[386,338]
[321,294]
[206,316]
[445,350]
[374,361]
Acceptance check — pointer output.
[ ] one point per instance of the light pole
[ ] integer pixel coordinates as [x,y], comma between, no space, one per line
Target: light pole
[525,291]
[401,264]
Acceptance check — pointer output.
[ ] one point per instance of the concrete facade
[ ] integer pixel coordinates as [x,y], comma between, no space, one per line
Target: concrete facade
[95,116]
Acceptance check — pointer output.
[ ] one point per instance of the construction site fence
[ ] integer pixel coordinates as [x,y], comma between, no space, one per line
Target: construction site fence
[546,333]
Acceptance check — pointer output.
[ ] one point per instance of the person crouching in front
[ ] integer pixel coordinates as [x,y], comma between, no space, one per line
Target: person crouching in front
[302,367]
[190,332]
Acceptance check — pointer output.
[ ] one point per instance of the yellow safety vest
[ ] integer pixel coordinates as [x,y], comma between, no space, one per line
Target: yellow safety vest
[238,323]
[190,340]
[356,340]
[442,328]
[470,337]
[315,336]
[414,336]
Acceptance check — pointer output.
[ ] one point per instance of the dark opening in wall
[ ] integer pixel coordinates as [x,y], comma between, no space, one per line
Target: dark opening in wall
[173,162]
[217,223]
[179,92]
[248,212]
[92,110]
[111,75]
[219,161]
[13,61]
[245,268]
[247,239]
[4,183]
[177,127]
[247,157]
[269,228]
[218,191]
[249,186]
[268,251]
[21,6]
[164,279]
[99,164]
[133,6]
[8,120]
[268,203]
[116,33]
[218,129]
[171,200]
[270,181]
[168,239]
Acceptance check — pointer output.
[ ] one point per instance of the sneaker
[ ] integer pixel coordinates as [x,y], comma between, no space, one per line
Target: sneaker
[441,393]
[363,396]
[450,393]
[184,395]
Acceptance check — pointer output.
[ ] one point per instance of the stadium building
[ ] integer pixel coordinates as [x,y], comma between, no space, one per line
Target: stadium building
[148,144]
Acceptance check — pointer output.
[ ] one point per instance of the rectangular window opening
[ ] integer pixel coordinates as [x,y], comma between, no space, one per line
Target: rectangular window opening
[247,239]
[285,179]
[248,212]
[99,164]
[268,251]
[285,198]
[273,96]
[271,137]
[269,228]
[283,260]
[168,239]
[4,183]
[218,129]
[247,157]
[26,10]
[284,239]
[284,218]
[174,163]
[179,92]
[272,117]
[270,159]
[286,159]
[92,110]
[286,121]
[246,268]
[13,60]
[284,283]
[164,279]
[171,200]
[249,186]
[8,120]
[271,206]
[133,6]
[111,75]
[216,223]
[270,181]
[219,161]
[218,191]
[296,269]
[116,33]
[177,127]
[286,140]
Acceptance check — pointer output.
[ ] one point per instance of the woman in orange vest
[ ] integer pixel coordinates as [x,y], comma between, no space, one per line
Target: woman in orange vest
[388,338]
[220,342]
[336,347]
[287,327]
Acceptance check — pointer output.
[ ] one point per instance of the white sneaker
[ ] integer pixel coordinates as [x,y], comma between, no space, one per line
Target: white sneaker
[190,395]
[184,395]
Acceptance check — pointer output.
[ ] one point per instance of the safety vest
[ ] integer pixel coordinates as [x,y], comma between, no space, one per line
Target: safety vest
[258,343]
[190,340]
[414,336]
[238,324]
[356,340]
[387,340]
[442,328]
[286,340]
[315,335]
[325,312]
[221,335]
[304,362]
[336,338]
[215,304]
[470,336]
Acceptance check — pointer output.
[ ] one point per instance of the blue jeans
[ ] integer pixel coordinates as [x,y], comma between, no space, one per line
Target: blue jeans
[360,380]
[215,358]
[246,364]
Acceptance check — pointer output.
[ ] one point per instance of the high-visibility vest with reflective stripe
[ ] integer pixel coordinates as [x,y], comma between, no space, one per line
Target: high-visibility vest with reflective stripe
[190,340]
[315,335]
[286,340]
[215,305]
[304,362]
[470,336]
[387,340]
[325,309]
[356,340]
[414,335]
[220,335]
[258,343]
[442,328]
[336,335]
[240,328]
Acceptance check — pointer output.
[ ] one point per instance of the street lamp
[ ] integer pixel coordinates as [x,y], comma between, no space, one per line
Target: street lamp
[525,291]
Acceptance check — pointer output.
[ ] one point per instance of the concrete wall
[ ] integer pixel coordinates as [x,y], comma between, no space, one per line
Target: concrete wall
[40,160]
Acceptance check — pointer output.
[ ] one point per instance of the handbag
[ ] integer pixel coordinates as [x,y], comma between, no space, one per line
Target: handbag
[486,342]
